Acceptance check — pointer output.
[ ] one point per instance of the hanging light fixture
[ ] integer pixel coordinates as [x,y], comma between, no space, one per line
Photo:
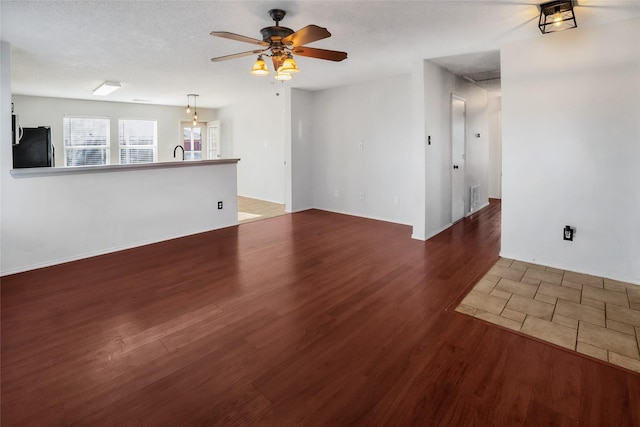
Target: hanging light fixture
[195,108]
[286,66]
[557,16]
[260,67]
[289,65]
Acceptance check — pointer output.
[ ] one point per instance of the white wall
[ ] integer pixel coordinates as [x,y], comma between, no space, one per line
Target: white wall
[495,147]
[301,126]
[254,131]
[362,142]
[571,150]
[46,220]
[439,85]
[39,111]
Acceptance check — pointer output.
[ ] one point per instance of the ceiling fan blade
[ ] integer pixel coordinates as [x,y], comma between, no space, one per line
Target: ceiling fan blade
[331,55]
[238,37]
[236,55]
[308,34]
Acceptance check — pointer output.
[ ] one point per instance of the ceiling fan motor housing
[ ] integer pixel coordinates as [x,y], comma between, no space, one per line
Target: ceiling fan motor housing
[275,34]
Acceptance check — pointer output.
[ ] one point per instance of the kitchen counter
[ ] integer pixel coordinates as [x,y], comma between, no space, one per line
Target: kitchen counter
[44,171]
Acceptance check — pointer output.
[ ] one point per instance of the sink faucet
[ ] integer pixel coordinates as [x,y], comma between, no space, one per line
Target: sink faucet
[174,151]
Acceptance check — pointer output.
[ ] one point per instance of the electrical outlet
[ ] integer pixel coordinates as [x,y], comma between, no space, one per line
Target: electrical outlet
[568,233]
[220,205]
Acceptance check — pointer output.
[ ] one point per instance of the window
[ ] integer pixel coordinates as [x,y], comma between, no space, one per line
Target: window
[213,140]
[86,141]
[192,141]
[138,141]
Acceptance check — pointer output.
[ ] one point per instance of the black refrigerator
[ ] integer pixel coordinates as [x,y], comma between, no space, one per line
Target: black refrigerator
[34,149]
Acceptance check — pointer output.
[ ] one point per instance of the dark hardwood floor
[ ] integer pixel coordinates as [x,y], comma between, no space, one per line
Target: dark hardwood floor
[310,319]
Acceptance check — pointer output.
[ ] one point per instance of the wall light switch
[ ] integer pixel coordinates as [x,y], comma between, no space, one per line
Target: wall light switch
[220,205]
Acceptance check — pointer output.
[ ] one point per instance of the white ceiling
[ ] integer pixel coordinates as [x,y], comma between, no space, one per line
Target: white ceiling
[159,50]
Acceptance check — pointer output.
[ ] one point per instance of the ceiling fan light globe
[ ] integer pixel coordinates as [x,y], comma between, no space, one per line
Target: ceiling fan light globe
[260,68]
[282,76]
[289,66]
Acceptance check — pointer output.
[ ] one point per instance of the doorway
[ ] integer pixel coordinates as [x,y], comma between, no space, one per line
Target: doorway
[458,137]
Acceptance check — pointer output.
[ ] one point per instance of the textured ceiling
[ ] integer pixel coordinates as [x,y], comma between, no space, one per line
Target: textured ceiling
[159,50]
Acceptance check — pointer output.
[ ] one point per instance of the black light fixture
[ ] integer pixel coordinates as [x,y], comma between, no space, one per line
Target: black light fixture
[557,16]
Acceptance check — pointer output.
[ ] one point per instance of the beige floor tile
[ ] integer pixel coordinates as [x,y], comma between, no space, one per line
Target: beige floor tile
[499,320]
[624,315]
[604,295]
[544,276]
[561,292]
[527,265]
[621,327]
[529,281]
[633,293]
[500,294]
[592,303]
[594,316]
[491,278]
[518,288]
[548,331]
[615,288]
[617,282]
[513,315]
[507,273]
[531,307]
[504,262]
[554,270]
[624,361]
[485,286]
[608,339]
[585,279]
[546,298]
[565,321]
[465,309]
[484,302]
[573,285]
[580,312]
[589,350]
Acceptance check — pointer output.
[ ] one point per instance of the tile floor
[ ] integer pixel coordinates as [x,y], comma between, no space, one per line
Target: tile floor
[592,315]
[250,210]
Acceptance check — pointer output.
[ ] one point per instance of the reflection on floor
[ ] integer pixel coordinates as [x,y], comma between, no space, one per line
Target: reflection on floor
[253,209]
[591,315]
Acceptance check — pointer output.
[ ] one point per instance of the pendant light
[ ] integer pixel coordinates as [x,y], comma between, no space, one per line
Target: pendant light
[557,16]
[195,108]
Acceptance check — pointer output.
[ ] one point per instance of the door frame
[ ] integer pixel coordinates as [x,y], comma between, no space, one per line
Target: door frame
[456,97]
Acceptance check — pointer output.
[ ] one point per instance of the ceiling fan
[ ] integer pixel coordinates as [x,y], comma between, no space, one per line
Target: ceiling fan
[280,43]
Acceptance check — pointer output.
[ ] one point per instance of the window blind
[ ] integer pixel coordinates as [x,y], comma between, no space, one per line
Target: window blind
[138,141]
[86,141]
